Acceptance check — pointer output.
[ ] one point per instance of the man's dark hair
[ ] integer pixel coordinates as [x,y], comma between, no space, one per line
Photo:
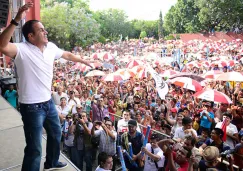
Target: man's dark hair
[189,152]
[205,130]
[185,109]
[28,28]
[186,120]
[192,139]
[174,100]
[227,114]
[108,120]
[219,132]
[102,157]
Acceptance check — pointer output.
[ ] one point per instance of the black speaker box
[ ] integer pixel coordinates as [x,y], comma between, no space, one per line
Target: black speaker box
[4,9]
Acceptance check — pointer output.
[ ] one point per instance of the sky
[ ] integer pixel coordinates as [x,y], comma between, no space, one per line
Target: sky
[135,9]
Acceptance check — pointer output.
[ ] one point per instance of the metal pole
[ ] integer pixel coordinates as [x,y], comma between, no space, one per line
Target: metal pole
[143,126]
[4,66]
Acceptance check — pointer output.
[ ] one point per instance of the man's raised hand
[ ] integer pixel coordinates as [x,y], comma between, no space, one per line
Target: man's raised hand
[21,13]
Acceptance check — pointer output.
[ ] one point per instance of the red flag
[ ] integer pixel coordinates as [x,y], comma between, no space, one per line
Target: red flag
[223,127]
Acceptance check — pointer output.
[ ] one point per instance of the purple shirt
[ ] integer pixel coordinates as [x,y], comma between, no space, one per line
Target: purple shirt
[98,113]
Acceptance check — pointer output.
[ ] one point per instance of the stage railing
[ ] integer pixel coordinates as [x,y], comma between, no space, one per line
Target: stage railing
[168,136]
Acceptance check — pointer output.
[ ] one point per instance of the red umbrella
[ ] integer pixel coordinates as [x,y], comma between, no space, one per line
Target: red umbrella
[113,77]
[95,56]
[125,73]
[134,63]
[212,74]
[213,96]
[194,64]
[107,57]
[230,76]
[168,73]
[187,83]
[81,67]
[96,64]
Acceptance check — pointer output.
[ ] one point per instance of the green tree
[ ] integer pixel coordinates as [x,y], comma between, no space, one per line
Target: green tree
[197,15]
[160,26]
[68,26]
[143,34]
[113,23]
[182,17]
[150,27]
[220,14]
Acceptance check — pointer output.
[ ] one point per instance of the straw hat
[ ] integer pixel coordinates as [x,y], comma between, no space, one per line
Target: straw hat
[210,153]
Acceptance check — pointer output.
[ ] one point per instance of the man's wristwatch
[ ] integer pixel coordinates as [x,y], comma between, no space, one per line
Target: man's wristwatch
[14,22]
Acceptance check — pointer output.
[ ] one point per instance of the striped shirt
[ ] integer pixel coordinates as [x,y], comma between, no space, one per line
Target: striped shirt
[107,144]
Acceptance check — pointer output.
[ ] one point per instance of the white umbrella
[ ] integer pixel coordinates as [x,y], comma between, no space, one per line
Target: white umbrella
[213,96]
[230,76]
[95,73]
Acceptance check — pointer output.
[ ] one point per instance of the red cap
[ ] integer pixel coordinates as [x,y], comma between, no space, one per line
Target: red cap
[174,110]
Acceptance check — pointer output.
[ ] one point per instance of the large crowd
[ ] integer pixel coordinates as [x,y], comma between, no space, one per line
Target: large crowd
[114,103]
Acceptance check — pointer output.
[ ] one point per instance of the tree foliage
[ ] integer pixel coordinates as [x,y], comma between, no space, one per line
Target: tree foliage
[69,26]
[182,17]
[143,34]
[220,14]
[160,26]
[197,15]
[150,27]
[113,23]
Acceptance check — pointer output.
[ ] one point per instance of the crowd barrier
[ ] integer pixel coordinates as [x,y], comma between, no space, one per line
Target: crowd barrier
[155,131]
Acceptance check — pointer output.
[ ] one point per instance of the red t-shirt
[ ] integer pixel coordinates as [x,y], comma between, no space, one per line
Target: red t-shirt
[183,166]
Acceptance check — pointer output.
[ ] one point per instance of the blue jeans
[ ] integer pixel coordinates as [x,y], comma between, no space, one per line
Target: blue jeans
[71,153]
[35,117]
[86,155]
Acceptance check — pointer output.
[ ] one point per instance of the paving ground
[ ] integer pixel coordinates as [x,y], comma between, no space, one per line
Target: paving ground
[12,141]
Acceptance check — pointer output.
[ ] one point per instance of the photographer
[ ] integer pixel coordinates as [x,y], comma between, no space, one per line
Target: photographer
[206,117]
[99,111]
[107,138]
[210,160]
[82,141]
[69,137]
[216,140]
[176,154]
[238,153]
[231,130]
[154,158]
[186,129]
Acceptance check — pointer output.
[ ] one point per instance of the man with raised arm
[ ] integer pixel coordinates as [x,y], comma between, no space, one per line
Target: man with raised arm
[34,62]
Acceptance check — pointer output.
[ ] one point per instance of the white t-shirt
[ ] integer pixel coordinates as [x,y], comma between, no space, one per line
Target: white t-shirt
[149,163]
[63,111]
[179,133]
[56,97]
[122,126]
[101,169]
[35,71]
[71,102]
[232,129]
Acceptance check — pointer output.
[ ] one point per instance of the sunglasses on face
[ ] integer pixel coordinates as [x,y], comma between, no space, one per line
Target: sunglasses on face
[206,106]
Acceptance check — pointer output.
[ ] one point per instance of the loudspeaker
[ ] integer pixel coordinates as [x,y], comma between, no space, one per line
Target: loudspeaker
[4,8]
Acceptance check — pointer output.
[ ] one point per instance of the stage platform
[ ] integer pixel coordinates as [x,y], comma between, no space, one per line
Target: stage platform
[12,140]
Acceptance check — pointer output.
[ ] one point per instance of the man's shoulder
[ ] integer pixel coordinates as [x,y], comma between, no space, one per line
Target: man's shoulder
[232,126]
[218,125]
[140,135]
[22,45]
[179,129]
[51,45]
